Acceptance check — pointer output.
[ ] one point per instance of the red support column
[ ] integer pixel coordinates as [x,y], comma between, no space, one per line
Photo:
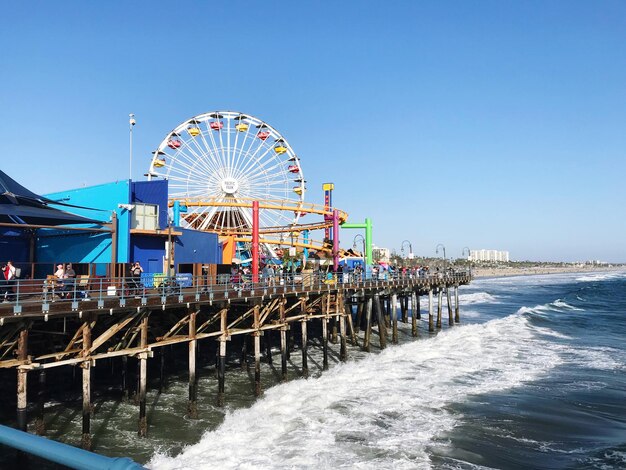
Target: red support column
[255,241]
[335,239]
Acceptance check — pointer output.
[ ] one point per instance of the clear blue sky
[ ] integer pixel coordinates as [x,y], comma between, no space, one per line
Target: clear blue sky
[488,124]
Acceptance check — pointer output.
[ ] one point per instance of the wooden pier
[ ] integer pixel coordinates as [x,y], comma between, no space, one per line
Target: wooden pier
[41,332]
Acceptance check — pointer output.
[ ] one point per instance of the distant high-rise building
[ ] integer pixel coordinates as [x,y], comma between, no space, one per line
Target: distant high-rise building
[489,255]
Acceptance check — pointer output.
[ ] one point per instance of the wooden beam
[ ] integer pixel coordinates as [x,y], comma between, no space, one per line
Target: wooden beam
[104,337]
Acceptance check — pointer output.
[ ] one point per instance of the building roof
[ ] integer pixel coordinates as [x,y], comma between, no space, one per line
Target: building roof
[19,205]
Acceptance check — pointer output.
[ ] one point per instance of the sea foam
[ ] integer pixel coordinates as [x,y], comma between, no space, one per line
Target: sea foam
[384,411]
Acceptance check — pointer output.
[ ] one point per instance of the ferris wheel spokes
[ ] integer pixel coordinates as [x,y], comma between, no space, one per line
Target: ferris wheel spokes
[227,156]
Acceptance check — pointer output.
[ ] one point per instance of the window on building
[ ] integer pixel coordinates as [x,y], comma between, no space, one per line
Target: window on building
[145,217]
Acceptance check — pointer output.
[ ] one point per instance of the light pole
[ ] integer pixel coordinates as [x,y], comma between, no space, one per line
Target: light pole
[410,255]
[363,253]
[444,255]
[131,123]
[469,257]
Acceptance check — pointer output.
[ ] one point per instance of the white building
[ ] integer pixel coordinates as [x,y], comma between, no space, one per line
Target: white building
[489,255]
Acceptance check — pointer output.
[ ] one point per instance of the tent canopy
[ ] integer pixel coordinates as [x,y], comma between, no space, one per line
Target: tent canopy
[19,205]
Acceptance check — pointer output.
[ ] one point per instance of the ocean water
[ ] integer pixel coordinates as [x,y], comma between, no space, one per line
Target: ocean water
[534,377]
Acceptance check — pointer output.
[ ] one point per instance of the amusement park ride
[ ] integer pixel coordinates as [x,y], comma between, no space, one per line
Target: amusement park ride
[226,171]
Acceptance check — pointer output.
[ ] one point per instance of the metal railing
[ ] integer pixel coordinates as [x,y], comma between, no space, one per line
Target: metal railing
[63,454]
[20,293]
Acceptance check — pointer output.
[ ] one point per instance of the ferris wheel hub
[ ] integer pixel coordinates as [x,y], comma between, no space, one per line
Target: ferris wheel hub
[229,186]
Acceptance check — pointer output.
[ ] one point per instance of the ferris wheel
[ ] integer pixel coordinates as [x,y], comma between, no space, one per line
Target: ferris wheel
[229,158]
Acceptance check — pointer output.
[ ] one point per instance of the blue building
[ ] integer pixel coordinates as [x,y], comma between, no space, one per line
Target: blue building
[137,214]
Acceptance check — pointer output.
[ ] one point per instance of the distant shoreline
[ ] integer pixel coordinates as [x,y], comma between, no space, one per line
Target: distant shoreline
[507,271]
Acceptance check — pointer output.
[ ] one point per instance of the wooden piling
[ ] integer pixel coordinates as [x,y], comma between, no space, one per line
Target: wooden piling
[382,330]
[388,310]
[221,363]
[404,306]
[457,314]
[450,316]
[22,381]
[143,377]
[257,352]
[85,442]
[417,307]
[360,309]
[431,323]
[291,342]
[325,342]
[368,324]
[439,306]
[304,340]
[394,318]
[413,316]
[283,340]
[343,351]
[192,404]
[383,312]
[334,333]
[348,315]
[304,345]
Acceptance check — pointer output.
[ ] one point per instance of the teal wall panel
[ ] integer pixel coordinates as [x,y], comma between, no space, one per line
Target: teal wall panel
[106,197]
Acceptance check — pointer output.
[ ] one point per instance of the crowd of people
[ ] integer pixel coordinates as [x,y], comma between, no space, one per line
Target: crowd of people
[273,274]
[270,275]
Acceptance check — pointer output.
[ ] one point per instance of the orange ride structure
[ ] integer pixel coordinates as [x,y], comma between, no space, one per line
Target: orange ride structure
[235,175]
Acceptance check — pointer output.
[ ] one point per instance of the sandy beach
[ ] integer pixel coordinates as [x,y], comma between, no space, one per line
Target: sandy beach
[510,271]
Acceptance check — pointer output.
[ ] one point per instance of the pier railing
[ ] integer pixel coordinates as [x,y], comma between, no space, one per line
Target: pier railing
[83,291]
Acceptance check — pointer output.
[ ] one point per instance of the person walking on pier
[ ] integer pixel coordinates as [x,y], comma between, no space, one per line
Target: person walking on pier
[135,280]
[8,276]
[268,275]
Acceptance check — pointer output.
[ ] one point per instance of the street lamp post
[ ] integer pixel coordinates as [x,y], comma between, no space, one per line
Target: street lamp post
[444,254]
[469,258]
[131,123]
[363,253]
[410,255]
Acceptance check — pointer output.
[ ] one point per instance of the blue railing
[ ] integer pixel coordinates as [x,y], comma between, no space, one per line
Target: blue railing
[22,293]
[63,454]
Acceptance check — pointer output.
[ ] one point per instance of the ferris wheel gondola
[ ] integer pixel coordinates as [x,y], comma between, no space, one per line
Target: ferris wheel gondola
[228,156]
